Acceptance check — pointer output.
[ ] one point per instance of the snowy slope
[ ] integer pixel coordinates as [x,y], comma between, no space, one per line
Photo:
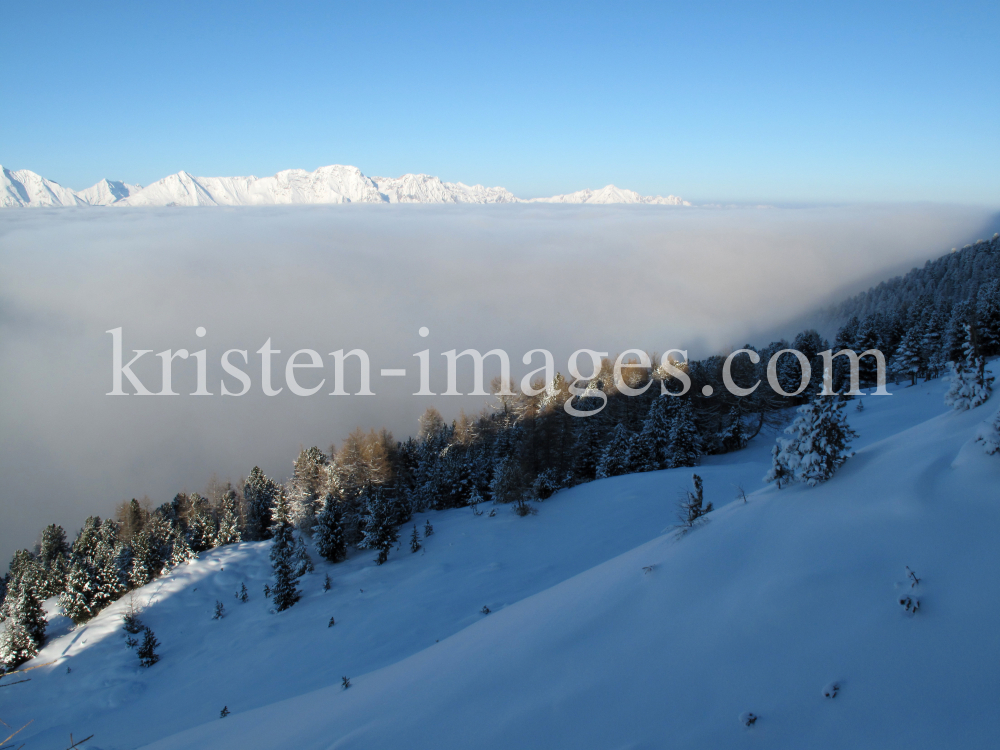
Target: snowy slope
[422,188]
[23,187]
[106,192]
[332,184]
[758,610]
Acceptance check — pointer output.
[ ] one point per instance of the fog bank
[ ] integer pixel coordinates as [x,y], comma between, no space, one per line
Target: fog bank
[329,278]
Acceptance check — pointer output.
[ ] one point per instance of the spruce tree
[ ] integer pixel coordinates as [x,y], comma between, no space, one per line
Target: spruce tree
[300,560]
[53,554]
[685,440]
[307,486]
[414,540]
[25,628]
[180,551]
[147,649]
[110,584]
[77,600]
[655,435]
[693,506]
[970,384]
[380,530]
[989,435]
[260,494]
[229,520]
[615,459]
[329,530]
[284,592]
[587,447]
[143,563]
[818,445]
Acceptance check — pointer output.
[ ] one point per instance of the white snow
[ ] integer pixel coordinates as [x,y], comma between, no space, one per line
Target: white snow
[612,194]
[606,630]
[332,184]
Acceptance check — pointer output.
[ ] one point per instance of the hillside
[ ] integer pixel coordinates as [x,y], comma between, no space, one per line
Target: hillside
[758,610]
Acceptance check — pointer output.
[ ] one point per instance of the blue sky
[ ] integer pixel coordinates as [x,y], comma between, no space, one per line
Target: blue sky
[711,101]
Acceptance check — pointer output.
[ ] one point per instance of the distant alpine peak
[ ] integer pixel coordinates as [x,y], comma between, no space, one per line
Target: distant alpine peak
[335,183]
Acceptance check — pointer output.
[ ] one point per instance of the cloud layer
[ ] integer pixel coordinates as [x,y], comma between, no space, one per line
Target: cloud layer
[515,277]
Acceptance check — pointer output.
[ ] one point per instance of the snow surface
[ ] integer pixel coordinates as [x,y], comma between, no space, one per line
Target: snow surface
[333,184]
[758,611]
[612,194]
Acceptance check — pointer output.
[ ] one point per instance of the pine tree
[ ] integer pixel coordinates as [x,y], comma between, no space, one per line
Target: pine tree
[692,507]
[284,592]
[180,551]
[300,560]
[508,484]
[329,530]
[307,487]
[909,358]
[108,576]
[53,554]
[615,459]
[143,563]
[380,531]
[260,494]
[970,385]
[587,448]
[989,435]
[77,600]
[685,441]
[229,521]
[414,540]
[25,628]
[147,649]
[819,443]
[655,435]
[202,529]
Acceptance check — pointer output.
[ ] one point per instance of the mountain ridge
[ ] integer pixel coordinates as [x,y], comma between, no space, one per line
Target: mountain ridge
[332,184]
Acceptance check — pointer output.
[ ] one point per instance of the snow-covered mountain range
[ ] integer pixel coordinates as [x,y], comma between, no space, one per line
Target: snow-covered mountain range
[332,184]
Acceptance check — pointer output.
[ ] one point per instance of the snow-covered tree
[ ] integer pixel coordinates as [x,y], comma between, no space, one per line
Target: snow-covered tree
[53,556]
[24,633]
[415,540]
[818,445]
[306,488]
[685,440]
[77,600]
[692,505]
[380,530]
[989,435]
[260,494]
[180,550]
[147,649]
[108,576]
[201,528]
[301,562]
[615,459]
[229,520]
[284,592]
[970,384]
[909,358]
[654,438]
[329,530]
